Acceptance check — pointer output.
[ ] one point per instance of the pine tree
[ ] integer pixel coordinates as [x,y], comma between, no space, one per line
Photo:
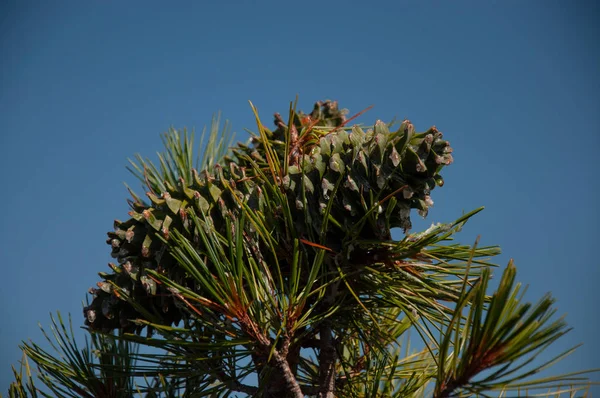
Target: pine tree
[268,269]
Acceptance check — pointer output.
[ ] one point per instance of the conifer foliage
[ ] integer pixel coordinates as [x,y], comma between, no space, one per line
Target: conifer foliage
[269,269]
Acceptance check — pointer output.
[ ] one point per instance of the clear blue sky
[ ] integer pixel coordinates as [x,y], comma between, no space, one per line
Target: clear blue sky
[513,85]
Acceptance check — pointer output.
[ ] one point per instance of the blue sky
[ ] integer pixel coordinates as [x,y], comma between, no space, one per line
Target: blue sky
[513,85]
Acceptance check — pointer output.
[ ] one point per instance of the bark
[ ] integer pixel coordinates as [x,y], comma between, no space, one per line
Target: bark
[292,386]
[327,361]
[282,383]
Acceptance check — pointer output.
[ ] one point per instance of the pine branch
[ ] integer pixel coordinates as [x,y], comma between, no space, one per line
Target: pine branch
[244,250]
[495,337]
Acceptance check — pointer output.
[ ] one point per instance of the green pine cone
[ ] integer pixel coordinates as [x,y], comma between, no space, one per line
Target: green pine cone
[366,182]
